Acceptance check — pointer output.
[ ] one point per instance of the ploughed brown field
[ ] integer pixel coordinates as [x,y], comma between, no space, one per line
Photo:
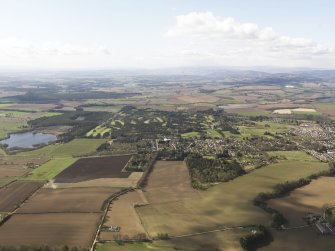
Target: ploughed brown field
[94,168]
[52,229]
[12,195]
[169,181]
[81,200]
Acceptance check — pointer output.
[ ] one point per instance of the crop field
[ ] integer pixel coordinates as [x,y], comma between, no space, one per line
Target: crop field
[308,199]
[30,107]
[198,99]
[229,203]
[80,200]
[52,229]
[76,147]
[326,108]
[169,181]
[11,171]
[298,204]
[12,195]
[130,181]
[123,214]
[50,169]
[94,168]
[305,239]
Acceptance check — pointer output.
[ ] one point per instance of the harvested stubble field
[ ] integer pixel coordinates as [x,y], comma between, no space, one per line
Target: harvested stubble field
[81,200]
[131,181]
[94,168]
[122,213]
[12,195]
[11,171]
[51,229]
[308,199]
[169,181]
[229,203]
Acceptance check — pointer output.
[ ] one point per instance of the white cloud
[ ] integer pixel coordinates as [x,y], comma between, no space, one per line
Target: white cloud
[204,26]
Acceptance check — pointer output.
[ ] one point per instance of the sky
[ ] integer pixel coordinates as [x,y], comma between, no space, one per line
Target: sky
[110,34]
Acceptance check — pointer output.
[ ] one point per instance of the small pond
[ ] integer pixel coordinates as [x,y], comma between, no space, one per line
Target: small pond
[28,139]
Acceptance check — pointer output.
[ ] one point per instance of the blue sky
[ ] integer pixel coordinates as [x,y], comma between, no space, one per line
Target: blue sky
[158,33]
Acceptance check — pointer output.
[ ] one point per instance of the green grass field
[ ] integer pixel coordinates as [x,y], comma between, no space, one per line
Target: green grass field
[7,127]
[189,134]
[139,246]
[14,121]
[214,134]
[50,169]
[76,147]
[229,203]
[261,127]
[98,131]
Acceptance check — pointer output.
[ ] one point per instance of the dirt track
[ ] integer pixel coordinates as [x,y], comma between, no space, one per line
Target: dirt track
[94,168]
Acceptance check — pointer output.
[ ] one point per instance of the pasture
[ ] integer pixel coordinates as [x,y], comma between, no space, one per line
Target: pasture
[74,148]
[94,168]
[138,246]
[229,203]
[50,169]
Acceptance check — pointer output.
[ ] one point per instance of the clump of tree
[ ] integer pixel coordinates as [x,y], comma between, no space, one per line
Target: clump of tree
[206,170]
[141,162]
[258,237]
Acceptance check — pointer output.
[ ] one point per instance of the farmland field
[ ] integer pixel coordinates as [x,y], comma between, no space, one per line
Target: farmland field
[10,171]
[80,200]
[50,169]
[130,181]
[14,194]
[123,214]
[94,168]
[76,147]
[139,246]
[308,199]
[52,229]
[169,181]
[229,203]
